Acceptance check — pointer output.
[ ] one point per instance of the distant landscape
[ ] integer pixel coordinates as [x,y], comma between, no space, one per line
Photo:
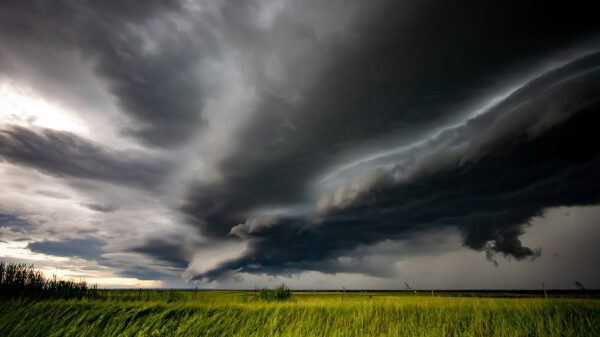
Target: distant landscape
[283,312]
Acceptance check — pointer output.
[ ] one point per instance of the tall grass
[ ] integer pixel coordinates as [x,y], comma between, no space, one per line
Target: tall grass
[268,312]
[310,316]
[18,280]
[280,293]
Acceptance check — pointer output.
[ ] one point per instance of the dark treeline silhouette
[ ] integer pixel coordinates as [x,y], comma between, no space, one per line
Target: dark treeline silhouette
[18,280]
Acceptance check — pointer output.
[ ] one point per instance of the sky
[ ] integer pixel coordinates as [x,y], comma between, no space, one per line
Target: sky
[231,144]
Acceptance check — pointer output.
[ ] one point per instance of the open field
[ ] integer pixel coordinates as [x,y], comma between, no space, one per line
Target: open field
[238,313]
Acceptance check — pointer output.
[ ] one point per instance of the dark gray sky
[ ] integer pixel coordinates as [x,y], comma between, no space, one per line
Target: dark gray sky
[323,144]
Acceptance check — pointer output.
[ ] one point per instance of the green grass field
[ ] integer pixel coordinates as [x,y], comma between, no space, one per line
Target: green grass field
[236,313]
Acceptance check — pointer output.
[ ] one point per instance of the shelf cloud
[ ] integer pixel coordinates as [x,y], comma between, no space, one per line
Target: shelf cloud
[233,141]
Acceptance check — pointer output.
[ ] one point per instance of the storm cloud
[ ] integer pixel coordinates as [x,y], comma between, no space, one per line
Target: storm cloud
[84,248]
[219,138]
[146,61]
[490,213]
[66,155]
[374,84]
[383,92]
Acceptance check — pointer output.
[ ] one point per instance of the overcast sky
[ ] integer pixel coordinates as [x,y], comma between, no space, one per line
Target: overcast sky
[323,144]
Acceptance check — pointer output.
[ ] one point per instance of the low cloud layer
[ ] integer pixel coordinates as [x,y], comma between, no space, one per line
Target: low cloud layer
[216,140]
[85,248]
[67,155]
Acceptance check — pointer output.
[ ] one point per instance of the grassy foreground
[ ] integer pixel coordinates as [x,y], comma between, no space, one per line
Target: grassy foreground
[309,314]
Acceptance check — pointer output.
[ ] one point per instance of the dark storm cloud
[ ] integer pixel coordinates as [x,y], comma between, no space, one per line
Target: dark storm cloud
[321,87]
[490,201]
[64,154]
[399,68]
[171,252]
[487,177]
[139,48]
[88,248]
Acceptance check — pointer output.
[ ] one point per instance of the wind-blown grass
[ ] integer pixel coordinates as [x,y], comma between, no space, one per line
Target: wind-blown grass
[31,305]
[19,280]
[204,314]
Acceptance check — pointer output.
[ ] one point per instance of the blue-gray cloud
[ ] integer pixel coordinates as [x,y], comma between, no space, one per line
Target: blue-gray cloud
[15,222]
[88,248]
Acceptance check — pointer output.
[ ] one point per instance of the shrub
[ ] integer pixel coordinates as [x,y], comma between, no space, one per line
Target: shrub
[281,293]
